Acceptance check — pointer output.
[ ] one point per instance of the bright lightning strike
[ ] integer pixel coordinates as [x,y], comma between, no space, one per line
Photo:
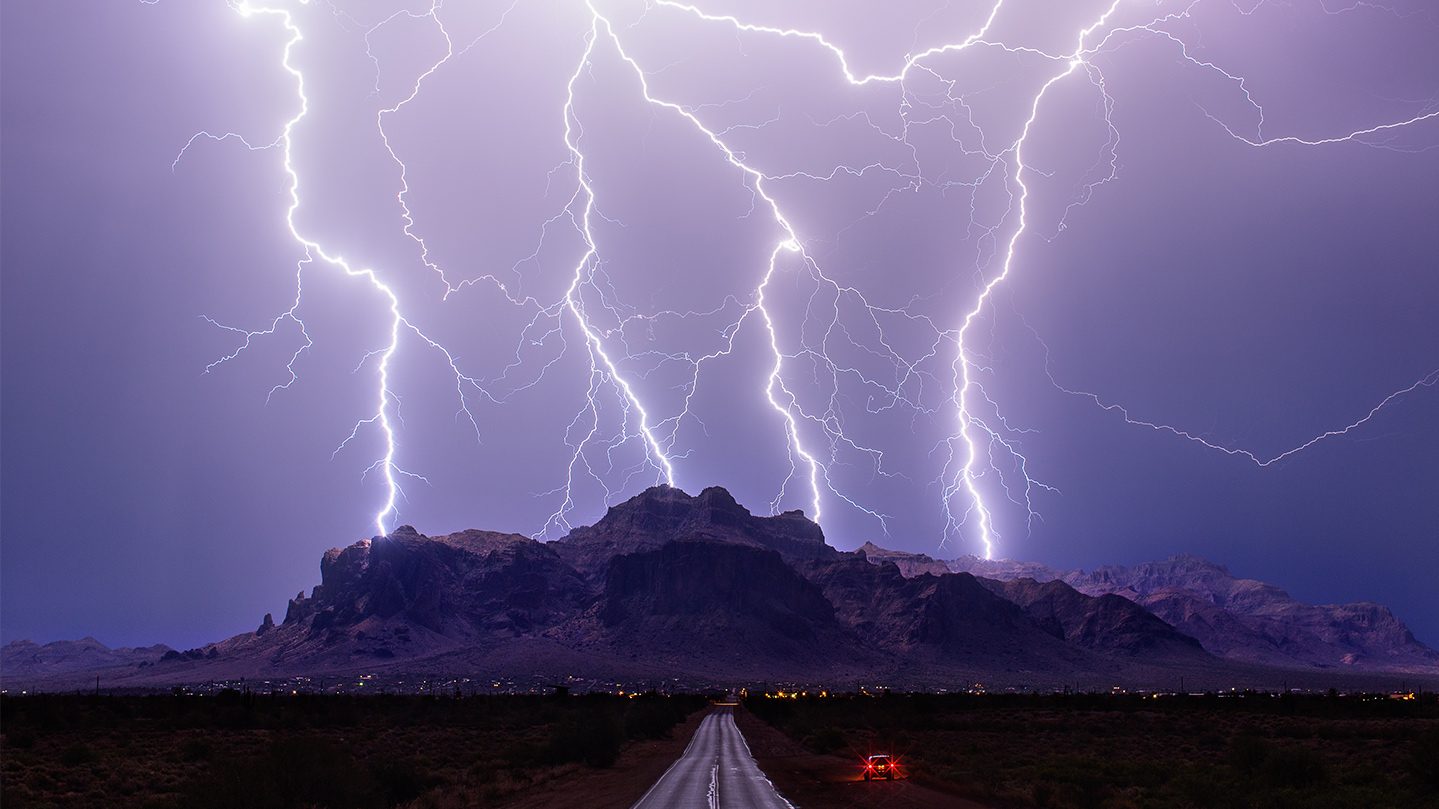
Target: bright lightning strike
[385,400]
[982,445]
[973,430]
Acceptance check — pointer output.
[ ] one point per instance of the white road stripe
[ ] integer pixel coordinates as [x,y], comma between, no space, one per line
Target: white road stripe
[716,771]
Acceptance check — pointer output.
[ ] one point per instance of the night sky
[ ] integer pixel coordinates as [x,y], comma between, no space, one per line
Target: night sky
[762,280]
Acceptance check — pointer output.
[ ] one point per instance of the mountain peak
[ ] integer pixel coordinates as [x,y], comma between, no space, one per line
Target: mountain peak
[909,564]
[663,514]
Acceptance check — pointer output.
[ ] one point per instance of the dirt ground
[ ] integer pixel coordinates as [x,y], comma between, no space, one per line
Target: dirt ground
[812,781]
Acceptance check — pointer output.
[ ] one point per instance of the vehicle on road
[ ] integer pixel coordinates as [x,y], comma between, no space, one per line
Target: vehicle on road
[880,766]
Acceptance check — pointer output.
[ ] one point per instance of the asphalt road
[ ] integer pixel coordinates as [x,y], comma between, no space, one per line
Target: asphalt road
[716,771]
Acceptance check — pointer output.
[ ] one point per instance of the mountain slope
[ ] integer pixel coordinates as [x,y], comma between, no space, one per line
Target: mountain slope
[1241,619]
[717,606]
[23,658]
[664,514]
[1106,623]
[670,588]
[1270,626]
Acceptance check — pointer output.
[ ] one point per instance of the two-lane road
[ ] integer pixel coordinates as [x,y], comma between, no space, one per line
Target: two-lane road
[715,772]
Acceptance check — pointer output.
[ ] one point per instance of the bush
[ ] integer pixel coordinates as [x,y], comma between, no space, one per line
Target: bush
[403,780]
[22,739]
[293,773]
[1297,767]
[825,740]
[1247,753]
[651,717]
[595,740]
[193,750]
[1424,759]
[78,754]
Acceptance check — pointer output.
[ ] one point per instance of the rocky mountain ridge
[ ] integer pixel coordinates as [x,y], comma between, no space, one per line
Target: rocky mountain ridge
[669,587]
[1234,618]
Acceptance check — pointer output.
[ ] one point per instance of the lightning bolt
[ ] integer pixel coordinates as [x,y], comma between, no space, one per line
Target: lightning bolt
[973,428]
[964,479]
[386,401]
[1429,380]
[1365,136]
[782,400]
[984,451]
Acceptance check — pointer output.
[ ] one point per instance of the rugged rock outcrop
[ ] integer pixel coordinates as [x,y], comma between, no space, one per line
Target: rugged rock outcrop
[950,616]
[671,587]
[1239,619]
[1107,623]
[694,603]
[1245,619]
[665,514]
[910,564]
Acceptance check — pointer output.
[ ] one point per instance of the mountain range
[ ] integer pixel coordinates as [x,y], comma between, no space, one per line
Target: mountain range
[1233,618]
[669,588]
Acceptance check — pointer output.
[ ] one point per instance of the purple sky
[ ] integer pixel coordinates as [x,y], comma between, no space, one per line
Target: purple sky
[1253,296]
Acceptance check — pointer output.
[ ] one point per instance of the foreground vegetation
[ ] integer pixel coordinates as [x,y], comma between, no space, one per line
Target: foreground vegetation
[276,752]
[1122,751]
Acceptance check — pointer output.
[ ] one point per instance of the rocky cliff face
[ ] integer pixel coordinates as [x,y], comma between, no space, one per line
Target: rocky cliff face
[692,604]
[937,618]
[664,514]
[473,582]
[408,596]
[670,585]
[1269,626]
[1237,618]
[1107,623]
[910,564]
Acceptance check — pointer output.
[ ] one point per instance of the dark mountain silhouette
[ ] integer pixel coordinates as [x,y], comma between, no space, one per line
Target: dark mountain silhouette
[1242,619]
[665,514]
[669,587]
[407,596]
[937,619]
[717,607]
[909,564]
[1106,623]
[23,658]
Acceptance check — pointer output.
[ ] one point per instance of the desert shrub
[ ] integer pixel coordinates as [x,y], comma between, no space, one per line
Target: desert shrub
[1424,759]
[825,740]
[1197,786]
[1247,753]
[293,773]
[1296,767]
[595,739]
[402,780]
[78,754]
[1078,781]
[652,717]
[21,739]
[193,750]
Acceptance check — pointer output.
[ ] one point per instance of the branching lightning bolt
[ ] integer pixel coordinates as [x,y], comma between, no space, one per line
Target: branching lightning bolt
[983,443]
[386,400]
[971,425]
